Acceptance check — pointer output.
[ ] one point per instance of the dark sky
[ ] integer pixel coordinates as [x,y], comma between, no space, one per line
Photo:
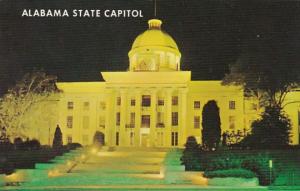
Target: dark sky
[210,34]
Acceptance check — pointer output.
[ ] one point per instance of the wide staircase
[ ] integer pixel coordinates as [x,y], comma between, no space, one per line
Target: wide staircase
[111,168]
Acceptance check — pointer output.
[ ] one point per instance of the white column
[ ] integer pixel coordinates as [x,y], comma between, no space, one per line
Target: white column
[153,117]
[168,116]
[123,112]
[110,117]
[137,125]
[182,116]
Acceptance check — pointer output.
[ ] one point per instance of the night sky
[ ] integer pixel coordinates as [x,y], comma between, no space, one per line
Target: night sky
[210,34]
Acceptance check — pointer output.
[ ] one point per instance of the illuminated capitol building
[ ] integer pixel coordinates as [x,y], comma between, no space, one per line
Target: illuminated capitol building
[155,103]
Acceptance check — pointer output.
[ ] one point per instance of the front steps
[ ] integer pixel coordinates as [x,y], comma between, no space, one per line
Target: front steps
[113,167]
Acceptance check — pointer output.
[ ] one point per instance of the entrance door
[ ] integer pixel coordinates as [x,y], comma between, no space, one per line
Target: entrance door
[144,140]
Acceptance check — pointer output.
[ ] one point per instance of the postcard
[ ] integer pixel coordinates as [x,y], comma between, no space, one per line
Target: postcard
[149,95]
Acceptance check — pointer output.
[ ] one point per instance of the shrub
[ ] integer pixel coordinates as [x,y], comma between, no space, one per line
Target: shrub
[190,154]
[223,163]
[272,131]
[255,161]
[236,172]
[18,142]
[6,146]
[57,140]
[72,146]
[260,166]
[31,144]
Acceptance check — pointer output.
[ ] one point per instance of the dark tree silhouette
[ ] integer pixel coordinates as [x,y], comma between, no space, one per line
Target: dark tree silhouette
[18,143]
[224,138]
[189,157]
[99,138]
[267,70]
[211,125]
[272,131]
[57,140]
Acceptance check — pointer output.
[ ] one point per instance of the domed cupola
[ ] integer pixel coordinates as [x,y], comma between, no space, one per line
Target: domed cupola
[154,50]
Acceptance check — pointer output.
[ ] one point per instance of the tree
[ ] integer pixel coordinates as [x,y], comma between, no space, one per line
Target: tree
[31,90]
[190,153]
[266,71]
[272,131]
[57,140]
[211,125]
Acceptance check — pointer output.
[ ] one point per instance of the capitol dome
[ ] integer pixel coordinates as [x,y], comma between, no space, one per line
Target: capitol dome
[154,50]
[154,37]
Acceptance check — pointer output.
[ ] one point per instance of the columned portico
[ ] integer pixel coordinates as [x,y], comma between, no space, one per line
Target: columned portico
[154,79]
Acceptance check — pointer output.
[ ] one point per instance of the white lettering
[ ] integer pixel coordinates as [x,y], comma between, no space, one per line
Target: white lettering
[65,13]
[24,13]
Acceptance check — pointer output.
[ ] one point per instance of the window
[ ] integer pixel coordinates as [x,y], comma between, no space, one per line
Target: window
[118,118]
[174,141]
[69,139]
[160,119]
[231,104]
[146,100]
[102,121]
[102,105]
[86,105]
[174,100]
[160,102]
[85,122]
[85,139]
[145,121]
[174,118]
[231,122]
[196,104]
[118,100]
[70,121]
[196,122]
[132,102]
[70,105]
[117,138]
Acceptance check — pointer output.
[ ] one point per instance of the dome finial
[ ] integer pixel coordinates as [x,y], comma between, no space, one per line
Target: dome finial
[154,24]
[154,8]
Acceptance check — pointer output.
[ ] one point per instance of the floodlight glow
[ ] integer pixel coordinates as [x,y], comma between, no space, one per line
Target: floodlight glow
[83,157]
[94,150]
[69,163]
[54,173]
